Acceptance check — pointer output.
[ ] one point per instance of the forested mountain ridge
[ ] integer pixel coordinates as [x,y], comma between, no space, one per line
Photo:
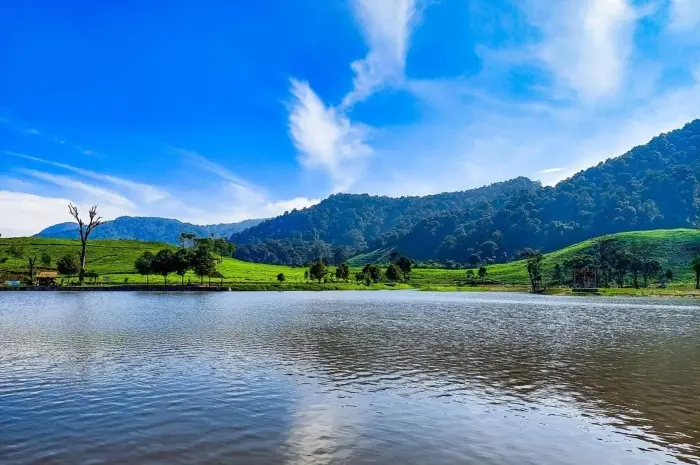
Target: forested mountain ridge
[147,229]
[345,224]
[652,186]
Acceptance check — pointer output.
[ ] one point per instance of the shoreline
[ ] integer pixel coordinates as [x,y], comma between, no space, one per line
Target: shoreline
[313,287]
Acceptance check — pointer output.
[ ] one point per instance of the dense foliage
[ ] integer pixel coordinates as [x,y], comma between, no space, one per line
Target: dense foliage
[346,224]
[147,229]
[652,186]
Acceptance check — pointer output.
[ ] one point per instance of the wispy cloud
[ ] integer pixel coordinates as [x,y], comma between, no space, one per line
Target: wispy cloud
[145,192]
[586,45]
[98,193]
[324,135]
[325,138]
[551,170]
[204,163]
[387,27]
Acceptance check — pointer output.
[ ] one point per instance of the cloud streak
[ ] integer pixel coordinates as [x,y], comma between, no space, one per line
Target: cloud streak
[146,192]
[326,139]
[587,45]
[387,27]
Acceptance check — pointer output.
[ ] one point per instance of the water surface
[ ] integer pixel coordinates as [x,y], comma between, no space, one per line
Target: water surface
[347,377]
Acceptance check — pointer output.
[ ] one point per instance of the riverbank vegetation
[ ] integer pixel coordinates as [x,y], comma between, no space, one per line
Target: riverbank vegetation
[668,255]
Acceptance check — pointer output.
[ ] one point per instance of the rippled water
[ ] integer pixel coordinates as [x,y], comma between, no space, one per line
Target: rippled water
[369,377]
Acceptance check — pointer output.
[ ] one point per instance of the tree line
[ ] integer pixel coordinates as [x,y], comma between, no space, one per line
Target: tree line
[607,263]
[198,255]
[398,270]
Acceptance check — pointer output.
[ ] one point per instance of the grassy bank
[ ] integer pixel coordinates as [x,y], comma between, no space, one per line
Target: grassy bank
[113,261]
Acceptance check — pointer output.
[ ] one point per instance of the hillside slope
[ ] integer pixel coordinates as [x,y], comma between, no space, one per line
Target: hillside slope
[674,248]
[115,258]
[147,229]
[345,224]
[653,186]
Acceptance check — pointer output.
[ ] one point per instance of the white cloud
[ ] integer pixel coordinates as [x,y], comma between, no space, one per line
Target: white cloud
[99,194]
[326,139]
[387,27]
[587,45]
[685,15]
[551,170]
[23,214]
[145,192]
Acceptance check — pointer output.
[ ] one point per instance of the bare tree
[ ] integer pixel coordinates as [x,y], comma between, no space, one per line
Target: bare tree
[85,230]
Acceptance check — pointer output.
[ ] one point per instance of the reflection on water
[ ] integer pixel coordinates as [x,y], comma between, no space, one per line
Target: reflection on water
[381,377]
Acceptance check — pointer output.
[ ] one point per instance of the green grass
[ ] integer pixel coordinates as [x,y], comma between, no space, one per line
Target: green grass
[674,248]
[115,258]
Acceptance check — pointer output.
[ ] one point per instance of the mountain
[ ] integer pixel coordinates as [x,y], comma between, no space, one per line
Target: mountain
[147,229]
[345,224]
[652,186]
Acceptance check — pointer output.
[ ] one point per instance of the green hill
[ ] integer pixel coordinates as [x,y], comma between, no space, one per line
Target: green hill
[674,248]
[115,258]
[147,229]
[653,186]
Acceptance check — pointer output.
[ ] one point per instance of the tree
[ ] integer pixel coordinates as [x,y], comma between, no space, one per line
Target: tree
[67,265]
[557,274]
[372,272]
[636,266]
[163,264]
[668,274]
[651,269]
[470,274]
[317,270]
[482,273]
[31,267]
[85,230]
[622,263]
[405,265]
[144,264]
[306,275]
[45,259]
[393,273]
[202,262]
[604,250]
[181,263]
[533,259]
[223,248]
[281,278]
[695,264]
[343,272]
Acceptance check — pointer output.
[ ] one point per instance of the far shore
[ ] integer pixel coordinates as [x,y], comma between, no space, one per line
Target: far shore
[308,286]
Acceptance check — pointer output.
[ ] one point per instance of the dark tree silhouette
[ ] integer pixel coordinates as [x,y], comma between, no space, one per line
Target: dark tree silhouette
[144,264]
[393,273]
[696,268]
[317,270]
[67,265]
[85,230]
[163,264]
[181,263]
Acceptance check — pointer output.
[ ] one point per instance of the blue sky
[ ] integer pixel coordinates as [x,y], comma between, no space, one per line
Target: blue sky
[220,111]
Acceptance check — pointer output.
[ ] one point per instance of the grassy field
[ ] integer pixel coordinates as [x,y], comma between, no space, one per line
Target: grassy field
[674,248]
[114,259]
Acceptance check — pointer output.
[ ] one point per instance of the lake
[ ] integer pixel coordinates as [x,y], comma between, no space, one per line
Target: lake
[347,377]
